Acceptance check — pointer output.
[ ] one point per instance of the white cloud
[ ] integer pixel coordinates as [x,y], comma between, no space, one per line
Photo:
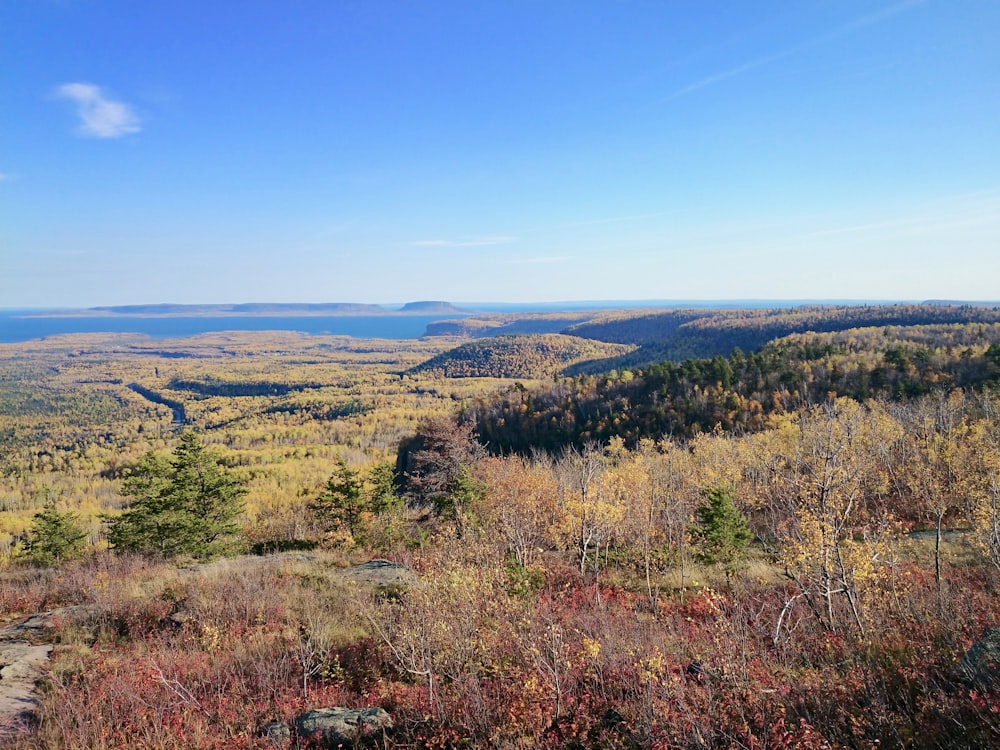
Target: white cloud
[100,116]
[476,242]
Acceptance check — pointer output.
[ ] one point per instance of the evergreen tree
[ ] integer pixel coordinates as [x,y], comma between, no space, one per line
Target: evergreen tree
[721,531]
[340,505]
[187,504]
[54,537]
[384,488]
[466,490]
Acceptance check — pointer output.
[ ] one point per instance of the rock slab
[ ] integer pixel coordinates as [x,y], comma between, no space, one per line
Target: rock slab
[342,727]
[21,666]
[380,574]
[25,648]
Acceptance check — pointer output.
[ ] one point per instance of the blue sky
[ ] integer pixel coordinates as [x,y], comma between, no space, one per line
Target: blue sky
[232,151]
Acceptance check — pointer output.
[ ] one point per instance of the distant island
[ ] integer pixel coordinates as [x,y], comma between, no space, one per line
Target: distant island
[432,307]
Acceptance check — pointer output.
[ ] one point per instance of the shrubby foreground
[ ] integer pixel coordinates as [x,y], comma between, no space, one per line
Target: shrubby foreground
[573,611]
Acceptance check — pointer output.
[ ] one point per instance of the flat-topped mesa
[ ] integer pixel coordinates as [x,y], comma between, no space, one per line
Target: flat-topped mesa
[430,307]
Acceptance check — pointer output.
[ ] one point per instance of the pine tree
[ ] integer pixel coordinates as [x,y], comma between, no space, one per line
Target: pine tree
[721,531]
[185,505]
[54,537]
[384,488]
[340,505]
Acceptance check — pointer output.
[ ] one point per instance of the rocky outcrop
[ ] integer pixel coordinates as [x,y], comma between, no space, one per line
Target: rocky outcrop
[342,727]
[25,647]
[21,666]
[381,574]
[981,664]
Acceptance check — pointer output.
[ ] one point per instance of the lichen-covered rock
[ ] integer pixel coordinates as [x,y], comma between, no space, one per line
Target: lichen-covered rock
[277,732]
[981,664]
[342,727]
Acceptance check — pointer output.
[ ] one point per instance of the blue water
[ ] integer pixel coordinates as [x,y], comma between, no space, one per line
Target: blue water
[14,327]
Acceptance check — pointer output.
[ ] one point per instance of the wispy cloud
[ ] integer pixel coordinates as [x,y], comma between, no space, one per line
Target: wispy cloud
[879,15]
[100,116]
[919,224]
[733,72]
[544,259]
[759,62]
[472,242]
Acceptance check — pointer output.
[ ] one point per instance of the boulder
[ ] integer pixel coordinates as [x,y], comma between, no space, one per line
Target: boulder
[981,663]
[276,732]
[342,727]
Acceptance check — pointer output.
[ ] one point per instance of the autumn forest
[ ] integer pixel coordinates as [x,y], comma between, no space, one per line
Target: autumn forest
[761,529]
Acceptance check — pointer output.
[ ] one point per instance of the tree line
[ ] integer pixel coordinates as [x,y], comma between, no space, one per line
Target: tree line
[738,392]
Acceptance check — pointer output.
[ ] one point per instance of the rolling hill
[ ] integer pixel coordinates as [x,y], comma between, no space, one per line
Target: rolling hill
[529,356]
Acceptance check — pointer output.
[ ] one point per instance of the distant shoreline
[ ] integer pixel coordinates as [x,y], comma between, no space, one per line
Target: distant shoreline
[434,308]
[102,315]
[415,320]
[246,310]
[27,325]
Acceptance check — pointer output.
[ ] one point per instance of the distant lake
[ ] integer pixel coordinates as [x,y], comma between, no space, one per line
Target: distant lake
[14,328]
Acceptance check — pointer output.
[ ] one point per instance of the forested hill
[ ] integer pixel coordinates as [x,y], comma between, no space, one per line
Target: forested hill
[682,334]
[498,324]
[518,356]
[741,391]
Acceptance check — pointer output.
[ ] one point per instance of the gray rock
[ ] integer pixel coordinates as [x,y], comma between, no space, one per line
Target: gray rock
[21,666]
[981,664]
[341,727]
[42,626]
[25,647]
[381,574]
[277,732]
